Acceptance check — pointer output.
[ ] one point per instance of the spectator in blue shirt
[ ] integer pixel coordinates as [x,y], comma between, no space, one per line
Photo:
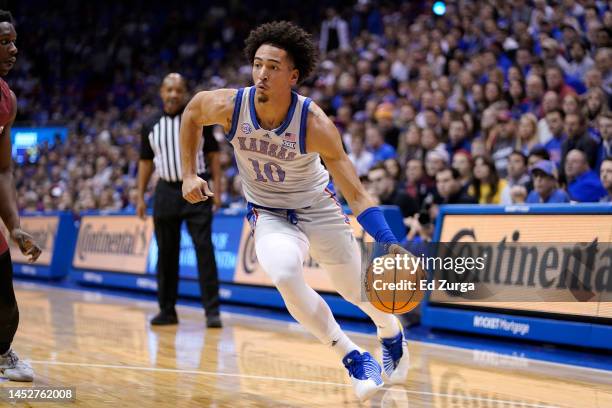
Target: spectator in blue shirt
[584,184]
[545,184]
[377,146]
[457,137]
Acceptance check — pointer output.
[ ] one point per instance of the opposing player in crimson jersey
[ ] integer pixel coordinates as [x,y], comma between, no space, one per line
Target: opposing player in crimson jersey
[10,365]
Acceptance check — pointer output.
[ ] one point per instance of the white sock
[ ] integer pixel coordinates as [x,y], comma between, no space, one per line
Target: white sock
[342,345]
[388,330]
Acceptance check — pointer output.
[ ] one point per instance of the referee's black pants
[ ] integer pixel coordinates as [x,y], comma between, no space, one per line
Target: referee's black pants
[169,211]
[9,313]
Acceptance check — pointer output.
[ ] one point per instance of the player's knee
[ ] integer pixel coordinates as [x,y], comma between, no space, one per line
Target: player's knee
[283,271]
[284,281]
[287,277]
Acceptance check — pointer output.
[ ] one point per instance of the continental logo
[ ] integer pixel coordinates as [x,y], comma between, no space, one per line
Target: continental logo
[585,268]
[98,240]
[302,376]
[455,391]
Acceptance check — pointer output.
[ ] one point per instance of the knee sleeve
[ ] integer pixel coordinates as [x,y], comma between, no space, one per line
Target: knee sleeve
[282,257]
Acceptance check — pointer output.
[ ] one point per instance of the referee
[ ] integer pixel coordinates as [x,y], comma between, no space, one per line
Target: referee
[160,146]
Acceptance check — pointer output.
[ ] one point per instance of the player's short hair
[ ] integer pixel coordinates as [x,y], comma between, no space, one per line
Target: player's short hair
[6,17]
[285,35]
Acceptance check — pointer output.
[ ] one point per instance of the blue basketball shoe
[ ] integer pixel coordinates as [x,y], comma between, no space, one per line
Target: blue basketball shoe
[365,373]
[395,357]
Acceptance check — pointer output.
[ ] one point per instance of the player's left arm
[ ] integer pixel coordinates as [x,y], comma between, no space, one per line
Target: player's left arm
[323,137]
[8,195]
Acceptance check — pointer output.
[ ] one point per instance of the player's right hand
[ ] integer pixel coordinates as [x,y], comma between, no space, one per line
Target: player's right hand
[26,244]
[196,189]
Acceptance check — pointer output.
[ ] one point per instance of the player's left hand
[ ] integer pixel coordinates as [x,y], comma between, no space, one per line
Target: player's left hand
[26,244]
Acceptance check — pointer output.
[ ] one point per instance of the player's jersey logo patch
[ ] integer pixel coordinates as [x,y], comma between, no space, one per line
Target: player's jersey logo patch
[289,140]
[246,128]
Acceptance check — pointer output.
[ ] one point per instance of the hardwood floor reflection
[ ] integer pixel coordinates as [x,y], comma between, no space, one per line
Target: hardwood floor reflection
[104,347]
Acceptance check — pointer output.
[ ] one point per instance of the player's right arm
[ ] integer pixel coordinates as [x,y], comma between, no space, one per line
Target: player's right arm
[205,108]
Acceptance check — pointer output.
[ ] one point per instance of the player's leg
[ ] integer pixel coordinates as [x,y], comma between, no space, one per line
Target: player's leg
[346,278]
[337,251]
[281,249]
[10,365]
[334,247]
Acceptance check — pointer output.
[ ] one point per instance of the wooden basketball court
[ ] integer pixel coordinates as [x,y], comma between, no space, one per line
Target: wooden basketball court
[104,347]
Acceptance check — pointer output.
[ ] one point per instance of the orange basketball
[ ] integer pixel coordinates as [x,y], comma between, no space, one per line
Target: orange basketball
[392,285]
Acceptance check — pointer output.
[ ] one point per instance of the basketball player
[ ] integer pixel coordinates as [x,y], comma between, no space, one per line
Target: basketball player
[10,365]
[278,138]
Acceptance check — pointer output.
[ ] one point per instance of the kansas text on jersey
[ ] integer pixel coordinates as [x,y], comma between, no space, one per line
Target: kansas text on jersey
[275,169]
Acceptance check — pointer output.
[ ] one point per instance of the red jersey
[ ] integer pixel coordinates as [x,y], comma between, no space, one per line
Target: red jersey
[6,104]
[6,109]
[3,244]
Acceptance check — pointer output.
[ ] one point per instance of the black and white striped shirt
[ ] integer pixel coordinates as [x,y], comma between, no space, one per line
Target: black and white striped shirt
[160,142]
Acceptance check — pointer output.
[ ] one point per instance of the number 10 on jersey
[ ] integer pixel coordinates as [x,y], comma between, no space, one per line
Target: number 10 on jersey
[271,172]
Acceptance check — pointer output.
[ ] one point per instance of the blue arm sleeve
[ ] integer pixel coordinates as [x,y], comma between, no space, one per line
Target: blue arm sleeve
[373,221]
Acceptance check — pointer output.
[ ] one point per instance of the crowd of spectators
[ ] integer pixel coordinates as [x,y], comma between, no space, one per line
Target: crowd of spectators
[495,102]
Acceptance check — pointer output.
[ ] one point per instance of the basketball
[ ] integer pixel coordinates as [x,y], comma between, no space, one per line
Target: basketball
[393,286]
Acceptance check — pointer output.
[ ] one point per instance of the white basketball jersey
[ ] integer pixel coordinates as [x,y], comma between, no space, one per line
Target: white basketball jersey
[275,169]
